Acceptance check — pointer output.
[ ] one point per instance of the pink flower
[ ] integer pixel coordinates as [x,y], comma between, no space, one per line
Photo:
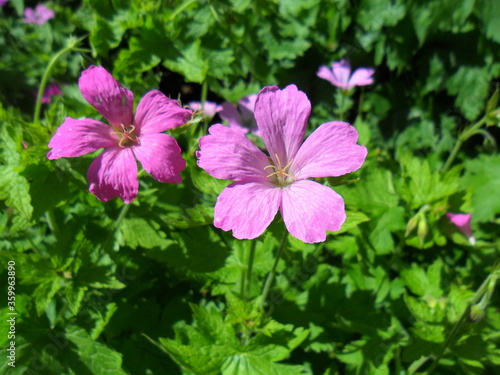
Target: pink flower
[209,110]
[265,184]
[241,118]
[3,2]
[114,172]
[39,15]
[51,90]
[463,222]
[340,75]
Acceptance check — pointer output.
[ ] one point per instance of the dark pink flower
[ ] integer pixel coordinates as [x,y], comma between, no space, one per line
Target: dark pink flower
[241,117]
[463,222]
[340,75]
[39,15]
[51,90]
[265,184]
[3,2]
[208,109]
[114,172]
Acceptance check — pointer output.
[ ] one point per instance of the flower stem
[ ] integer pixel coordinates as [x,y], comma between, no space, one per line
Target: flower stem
[115,225]
[485,286]
[38,105]
[270,277]
[248,281]
[467,133]
[51,221]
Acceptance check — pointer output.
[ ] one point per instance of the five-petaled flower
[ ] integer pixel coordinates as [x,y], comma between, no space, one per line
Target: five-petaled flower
[114,172]
[241,117]
[463,222]
[39,15]
[340,75]
[265,184]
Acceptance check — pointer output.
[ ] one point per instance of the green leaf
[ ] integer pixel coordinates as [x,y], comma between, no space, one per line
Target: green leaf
[191,63]
[99,359]
[135,232]
[489,12]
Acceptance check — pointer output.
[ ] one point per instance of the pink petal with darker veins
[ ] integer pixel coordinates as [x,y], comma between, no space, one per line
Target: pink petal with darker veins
[282,119]
[157,113]
[247,208]
[362,77]
[114,173]
[233,117]
[107,95]
[331,150]
[161,157]
[310,209]
[79,137]
[228,154]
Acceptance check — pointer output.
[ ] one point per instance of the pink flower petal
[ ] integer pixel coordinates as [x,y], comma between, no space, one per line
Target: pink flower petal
[341,71]
[282,119]
[362,77]
[230,114]
[228,154]
[327,74]
[310,209]
[160,156]
[107,95]
[157,113]
[463,222]
[247,208]
[331,150]
[114,173]
[80,137]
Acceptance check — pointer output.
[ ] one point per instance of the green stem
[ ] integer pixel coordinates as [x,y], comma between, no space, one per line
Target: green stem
[461,139]
[115,225]
[51,220]
[251,258]
[270,277]
[456,328]
[38,105]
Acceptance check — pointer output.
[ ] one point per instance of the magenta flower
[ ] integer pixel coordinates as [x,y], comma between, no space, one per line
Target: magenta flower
[3,2]
[51,90]
[340,75]
[208,110]
[463,222]
[241,118]
[265,184]
[114,172]
[39,15]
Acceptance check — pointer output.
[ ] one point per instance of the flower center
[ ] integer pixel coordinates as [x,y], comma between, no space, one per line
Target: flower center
[282,177]
[127,136]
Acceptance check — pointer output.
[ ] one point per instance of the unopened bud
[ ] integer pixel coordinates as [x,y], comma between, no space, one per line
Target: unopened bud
[476,313]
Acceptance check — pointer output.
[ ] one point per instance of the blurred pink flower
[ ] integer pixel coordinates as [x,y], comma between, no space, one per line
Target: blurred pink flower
[3,2]
[39,15]
[463,222]
[114,172]
[340,75]
[51,90]
[265,184]
[241,117]
[209,110]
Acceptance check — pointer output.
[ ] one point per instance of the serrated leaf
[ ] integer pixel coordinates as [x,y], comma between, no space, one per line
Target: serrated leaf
[100,359]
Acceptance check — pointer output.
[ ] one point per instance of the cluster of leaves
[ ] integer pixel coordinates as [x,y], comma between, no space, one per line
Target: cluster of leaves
[153,287]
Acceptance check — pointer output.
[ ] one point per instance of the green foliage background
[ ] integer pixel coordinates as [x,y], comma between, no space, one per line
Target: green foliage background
[154,288]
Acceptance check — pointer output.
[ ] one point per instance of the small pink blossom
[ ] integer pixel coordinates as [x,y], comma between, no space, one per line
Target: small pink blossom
[463,222]
[241,117]
[129,137]
[340,75]
[265,184]
[3,2]
[39,15]
[208,110]
[51,90]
